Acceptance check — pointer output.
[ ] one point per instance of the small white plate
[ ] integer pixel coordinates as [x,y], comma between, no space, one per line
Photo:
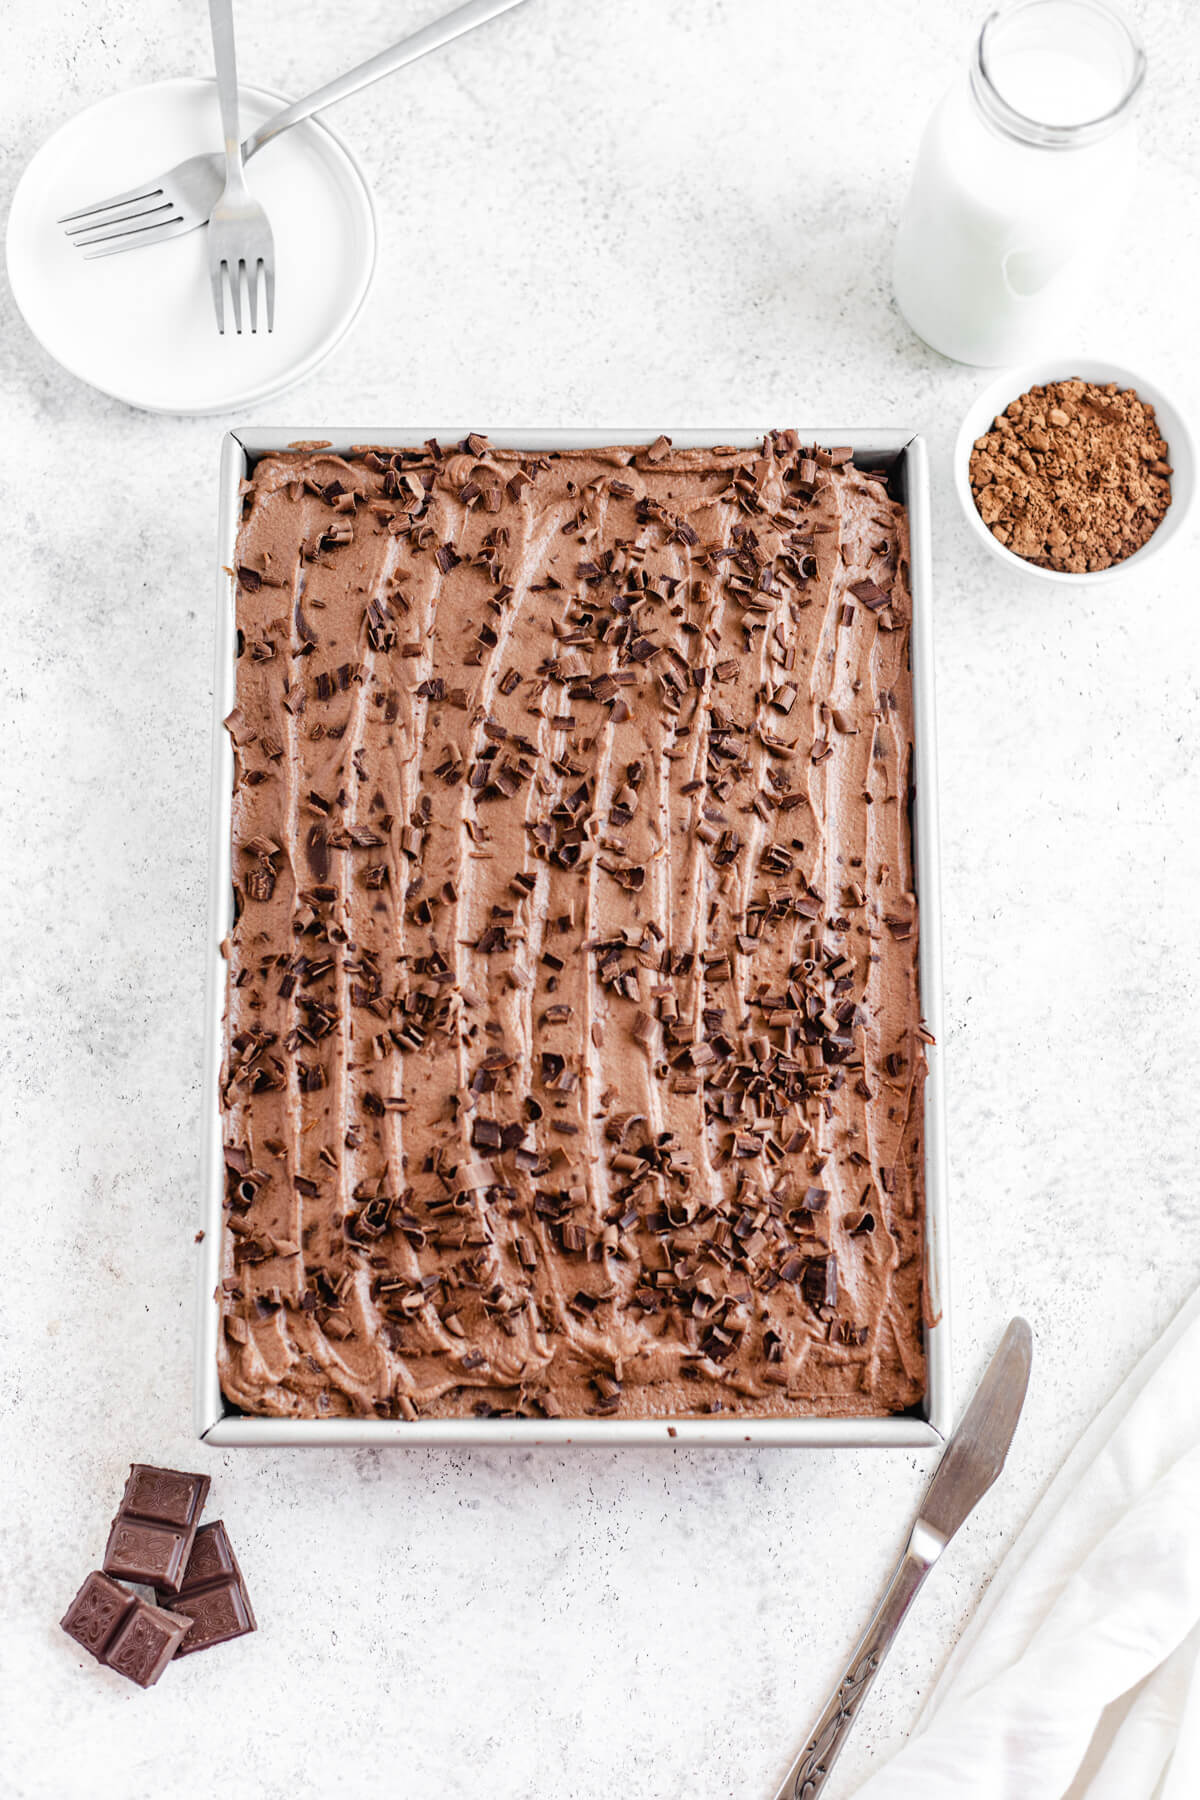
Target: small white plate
[1008,387]
[141,326]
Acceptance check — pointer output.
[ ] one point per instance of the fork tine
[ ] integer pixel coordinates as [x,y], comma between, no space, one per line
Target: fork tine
[217,277]
[100,229]
[269,277]
[115,200]
[235,292]
[252,288]
[138,240]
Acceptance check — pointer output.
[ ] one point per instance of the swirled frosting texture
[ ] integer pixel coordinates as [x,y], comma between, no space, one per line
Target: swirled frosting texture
[574,1062]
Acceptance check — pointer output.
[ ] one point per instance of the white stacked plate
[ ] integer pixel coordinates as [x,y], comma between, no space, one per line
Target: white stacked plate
[140,326]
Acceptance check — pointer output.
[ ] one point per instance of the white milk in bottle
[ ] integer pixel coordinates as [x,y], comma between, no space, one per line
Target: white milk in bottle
[1021,178]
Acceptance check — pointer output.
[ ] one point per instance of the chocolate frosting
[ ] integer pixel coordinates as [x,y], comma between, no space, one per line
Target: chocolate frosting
[574,1062]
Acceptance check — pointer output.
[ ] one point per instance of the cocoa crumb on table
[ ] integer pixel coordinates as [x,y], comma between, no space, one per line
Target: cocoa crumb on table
[1072,476]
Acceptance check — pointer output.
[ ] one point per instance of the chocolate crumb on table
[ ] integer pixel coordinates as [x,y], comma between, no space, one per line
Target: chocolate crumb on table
[574,1063]
[1073,476]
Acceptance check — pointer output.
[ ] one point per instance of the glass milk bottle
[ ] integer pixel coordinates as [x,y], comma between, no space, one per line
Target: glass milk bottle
[1021,179]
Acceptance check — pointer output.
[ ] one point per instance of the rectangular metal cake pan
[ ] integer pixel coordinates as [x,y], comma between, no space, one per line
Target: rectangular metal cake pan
[217,1422]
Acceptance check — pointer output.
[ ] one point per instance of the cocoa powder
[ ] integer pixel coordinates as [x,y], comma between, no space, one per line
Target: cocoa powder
[1072,476]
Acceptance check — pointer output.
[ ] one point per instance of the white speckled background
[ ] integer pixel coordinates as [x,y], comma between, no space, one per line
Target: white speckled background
[655,210]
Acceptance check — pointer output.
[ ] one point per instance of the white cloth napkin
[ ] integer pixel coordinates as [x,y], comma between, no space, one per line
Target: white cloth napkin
[1079,1676]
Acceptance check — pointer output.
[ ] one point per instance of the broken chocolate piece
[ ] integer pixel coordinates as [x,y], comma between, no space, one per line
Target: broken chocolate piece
[213,1594]
[155,1526]
[122,1630]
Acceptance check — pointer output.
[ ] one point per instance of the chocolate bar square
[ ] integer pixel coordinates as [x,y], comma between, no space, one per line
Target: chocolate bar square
[155,1526]
[149,1553]
[97,1611]
[212,1558]
[145,1643]
[122,1630]
[167,1495]
[213,1594]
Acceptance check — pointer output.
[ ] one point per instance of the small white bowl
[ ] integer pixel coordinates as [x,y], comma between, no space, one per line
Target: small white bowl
[1006,388]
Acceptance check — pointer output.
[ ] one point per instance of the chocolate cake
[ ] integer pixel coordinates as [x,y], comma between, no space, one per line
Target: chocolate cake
[574,1060]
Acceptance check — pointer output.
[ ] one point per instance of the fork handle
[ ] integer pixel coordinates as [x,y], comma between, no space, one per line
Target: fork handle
[430,37]
[220,13]
[809,1773]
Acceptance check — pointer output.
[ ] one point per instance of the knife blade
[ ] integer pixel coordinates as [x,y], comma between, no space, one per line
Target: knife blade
[975,1454]
[970,1464]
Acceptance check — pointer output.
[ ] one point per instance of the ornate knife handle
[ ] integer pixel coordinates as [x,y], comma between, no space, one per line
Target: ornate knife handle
[808,1774]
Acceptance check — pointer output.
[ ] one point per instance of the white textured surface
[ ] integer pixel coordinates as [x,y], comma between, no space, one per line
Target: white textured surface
[646,211]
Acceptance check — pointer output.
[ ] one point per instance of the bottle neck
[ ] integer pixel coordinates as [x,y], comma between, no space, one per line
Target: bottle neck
[1056,74]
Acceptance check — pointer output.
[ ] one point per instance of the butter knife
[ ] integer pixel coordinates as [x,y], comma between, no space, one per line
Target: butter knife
[970,1464]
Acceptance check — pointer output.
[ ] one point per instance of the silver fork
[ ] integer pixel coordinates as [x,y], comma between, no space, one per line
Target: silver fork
[181,198]
[240,245]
